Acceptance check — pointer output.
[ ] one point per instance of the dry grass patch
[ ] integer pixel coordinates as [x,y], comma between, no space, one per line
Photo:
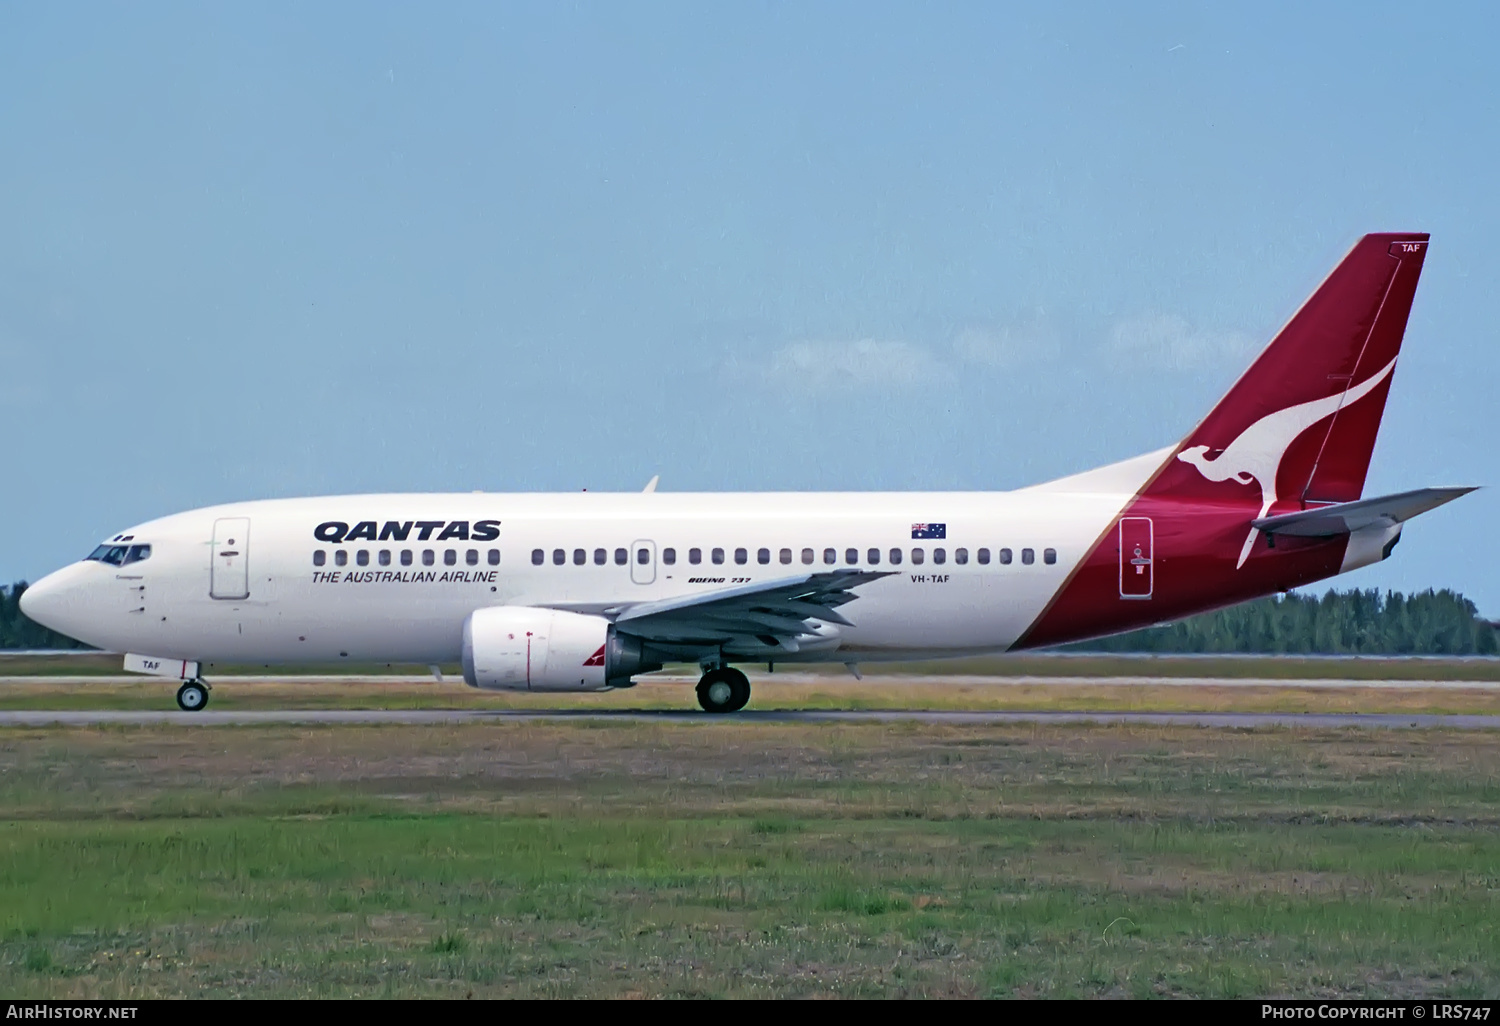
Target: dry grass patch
[890,693]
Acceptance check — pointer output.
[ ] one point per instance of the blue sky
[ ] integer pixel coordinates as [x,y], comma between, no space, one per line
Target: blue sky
[266,250]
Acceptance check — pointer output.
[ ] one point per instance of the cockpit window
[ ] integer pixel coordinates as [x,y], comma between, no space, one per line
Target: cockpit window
[114,555]
[120,555]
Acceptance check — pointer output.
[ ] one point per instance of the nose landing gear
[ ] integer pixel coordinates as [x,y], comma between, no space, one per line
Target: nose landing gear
[192,696]
[724,690]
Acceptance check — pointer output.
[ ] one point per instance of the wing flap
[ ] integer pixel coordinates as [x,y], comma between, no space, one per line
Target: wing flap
[777,611]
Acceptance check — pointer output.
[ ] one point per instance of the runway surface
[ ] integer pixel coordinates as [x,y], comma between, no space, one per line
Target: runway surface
[212,718]
[869,680]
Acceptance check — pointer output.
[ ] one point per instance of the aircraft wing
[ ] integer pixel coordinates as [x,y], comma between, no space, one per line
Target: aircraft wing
[1348,517]
[775,612]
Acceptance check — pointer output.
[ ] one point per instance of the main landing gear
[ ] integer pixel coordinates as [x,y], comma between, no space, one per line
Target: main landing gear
[723,690]
[192,696]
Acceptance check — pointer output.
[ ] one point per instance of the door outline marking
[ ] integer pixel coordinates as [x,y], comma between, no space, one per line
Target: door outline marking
[1142,563]
[643,573]
[229,565]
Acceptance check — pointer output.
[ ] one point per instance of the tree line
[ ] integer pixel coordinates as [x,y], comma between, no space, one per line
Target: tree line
[17,630]
[1338,623]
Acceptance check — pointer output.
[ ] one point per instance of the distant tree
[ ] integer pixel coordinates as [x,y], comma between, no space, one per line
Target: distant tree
[1339,623]
[17,630]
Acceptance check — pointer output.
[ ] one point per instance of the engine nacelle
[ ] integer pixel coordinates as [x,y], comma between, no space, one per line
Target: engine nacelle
[519,648]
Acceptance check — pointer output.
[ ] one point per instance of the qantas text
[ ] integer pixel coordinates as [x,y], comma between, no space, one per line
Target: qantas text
[337,532]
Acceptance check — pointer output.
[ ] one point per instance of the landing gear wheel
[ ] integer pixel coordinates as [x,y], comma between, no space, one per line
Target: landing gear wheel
[192,696]
[724,690]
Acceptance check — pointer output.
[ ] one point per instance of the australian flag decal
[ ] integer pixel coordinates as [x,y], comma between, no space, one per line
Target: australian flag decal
[929,531]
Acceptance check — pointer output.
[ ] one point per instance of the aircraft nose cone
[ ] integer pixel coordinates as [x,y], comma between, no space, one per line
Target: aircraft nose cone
[38,599]
[55,602]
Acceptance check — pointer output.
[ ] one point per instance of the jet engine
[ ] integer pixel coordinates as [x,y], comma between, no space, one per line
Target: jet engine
[519,648]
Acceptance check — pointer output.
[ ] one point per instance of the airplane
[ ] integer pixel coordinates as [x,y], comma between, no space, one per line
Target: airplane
[585,591]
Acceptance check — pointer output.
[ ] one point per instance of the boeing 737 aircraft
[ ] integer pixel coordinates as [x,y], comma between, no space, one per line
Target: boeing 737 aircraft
[580,592]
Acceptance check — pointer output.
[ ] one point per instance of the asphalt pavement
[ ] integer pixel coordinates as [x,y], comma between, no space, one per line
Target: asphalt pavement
[831,680]
[225,718]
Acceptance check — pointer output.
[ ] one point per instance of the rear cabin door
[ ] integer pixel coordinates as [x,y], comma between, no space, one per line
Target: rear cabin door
[1136,558]
[643,562]
[231,560]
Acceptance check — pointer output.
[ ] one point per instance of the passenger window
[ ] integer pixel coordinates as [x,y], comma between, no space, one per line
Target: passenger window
[873,557]
[320,557]
[895,557]
[741,556]
[851,556]
[830,556]
[621,557]
[471,557]
[538,557]
[669,556]
[1028,556]
[940,555]
[643,556]
[983,555]
[580,557]
[695,556]
[341,557]
[762,556]
[406,557]
[385,557]
[600,557]
[1005,557]
[786,556]
[917,556]
[961,556]
[1049,556]
[807,556]
[428,558]
[362,557]
[717,556]
[494,557]
[450,557]
[559,557]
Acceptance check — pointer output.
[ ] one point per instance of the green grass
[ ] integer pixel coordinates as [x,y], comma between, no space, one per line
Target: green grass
[741,860]
[706,907]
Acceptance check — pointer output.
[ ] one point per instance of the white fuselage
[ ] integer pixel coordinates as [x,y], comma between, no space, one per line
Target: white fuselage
[580,591]
[391,600]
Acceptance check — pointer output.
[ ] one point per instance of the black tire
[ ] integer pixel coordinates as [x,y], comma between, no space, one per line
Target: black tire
[724,690]
[192,696]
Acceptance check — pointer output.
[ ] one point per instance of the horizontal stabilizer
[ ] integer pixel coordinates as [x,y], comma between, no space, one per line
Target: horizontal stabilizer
[1348,517]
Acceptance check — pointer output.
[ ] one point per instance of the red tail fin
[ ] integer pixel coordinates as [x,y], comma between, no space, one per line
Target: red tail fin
[1300,424]
[1297,428]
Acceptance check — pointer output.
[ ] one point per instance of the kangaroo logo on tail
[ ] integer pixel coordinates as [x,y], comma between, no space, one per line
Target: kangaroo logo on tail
[1257,453]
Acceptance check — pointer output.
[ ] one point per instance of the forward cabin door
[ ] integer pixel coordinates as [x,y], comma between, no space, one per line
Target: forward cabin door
[643,562]
[231,561]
